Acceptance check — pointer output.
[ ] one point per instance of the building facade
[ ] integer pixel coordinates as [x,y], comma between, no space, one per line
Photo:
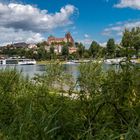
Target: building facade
[67,39]
[59,42]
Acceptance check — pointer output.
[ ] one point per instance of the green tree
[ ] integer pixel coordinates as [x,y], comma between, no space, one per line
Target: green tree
[131,41]
[119,51]
[126,39]
[65,51]
[29,54]
[94,49]
[52,53]
[110,48]
[86,53]
[136,44]
[81,49]
[52,50]
[42,53]
[44,43]
[135,32]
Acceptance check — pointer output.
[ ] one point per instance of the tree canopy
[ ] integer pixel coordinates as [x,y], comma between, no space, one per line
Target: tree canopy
[94,49]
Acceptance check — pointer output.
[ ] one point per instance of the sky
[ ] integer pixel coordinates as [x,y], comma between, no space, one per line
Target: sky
[33,21]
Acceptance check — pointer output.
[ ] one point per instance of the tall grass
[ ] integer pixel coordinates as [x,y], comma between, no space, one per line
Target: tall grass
[107,106]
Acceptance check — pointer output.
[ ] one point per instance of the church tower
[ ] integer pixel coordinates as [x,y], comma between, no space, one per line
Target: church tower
[69,38]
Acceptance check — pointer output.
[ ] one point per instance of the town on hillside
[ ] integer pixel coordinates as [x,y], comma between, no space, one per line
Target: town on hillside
[65,48]
[53,45]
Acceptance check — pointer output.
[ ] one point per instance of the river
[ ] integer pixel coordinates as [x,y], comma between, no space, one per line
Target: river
[31,70]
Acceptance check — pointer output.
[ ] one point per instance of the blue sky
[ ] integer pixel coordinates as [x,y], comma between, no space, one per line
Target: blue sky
[87,20]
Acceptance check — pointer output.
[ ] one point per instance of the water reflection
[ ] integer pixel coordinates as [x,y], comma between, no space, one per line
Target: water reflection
[27,70]
[72,69]
[31,70]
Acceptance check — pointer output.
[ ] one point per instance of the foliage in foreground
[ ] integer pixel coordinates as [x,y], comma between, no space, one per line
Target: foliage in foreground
[107,106]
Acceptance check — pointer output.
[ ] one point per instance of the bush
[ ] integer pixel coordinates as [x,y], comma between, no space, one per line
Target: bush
[106,107]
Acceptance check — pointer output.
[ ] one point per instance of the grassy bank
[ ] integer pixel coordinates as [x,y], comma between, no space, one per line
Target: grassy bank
[138,60]
[107,106]
[45,62]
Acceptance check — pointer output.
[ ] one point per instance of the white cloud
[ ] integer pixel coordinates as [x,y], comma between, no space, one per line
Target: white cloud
[86,36]
[10,35]
[87,42]
[117,29]
[103,44]
[135,4]
[27,17]
[19,22]
[37,37]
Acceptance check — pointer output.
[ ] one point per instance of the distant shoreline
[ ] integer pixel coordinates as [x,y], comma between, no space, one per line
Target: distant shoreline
[44,62]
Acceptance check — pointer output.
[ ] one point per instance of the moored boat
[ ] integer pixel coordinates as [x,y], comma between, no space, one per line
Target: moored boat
[117,61]
[70,62]
[17,62]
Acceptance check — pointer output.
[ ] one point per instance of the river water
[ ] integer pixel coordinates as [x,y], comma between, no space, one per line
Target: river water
[31,70]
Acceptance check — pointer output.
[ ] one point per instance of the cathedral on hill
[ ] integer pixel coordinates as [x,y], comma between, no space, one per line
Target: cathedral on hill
[58,43]
[66,39]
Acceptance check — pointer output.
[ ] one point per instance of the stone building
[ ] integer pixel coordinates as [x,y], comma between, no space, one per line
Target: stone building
[67,39]
[58,43]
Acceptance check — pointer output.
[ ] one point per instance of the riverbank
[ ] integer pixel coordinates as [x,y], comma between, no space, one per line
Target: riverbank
[138,60]
[45,62]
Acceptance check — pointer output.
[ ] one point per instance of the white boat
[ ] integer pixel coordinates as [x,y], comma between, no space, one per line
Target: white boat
[70,62]
[133,61]
[115,61]
[81,61]
[17,62]
[26,62]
